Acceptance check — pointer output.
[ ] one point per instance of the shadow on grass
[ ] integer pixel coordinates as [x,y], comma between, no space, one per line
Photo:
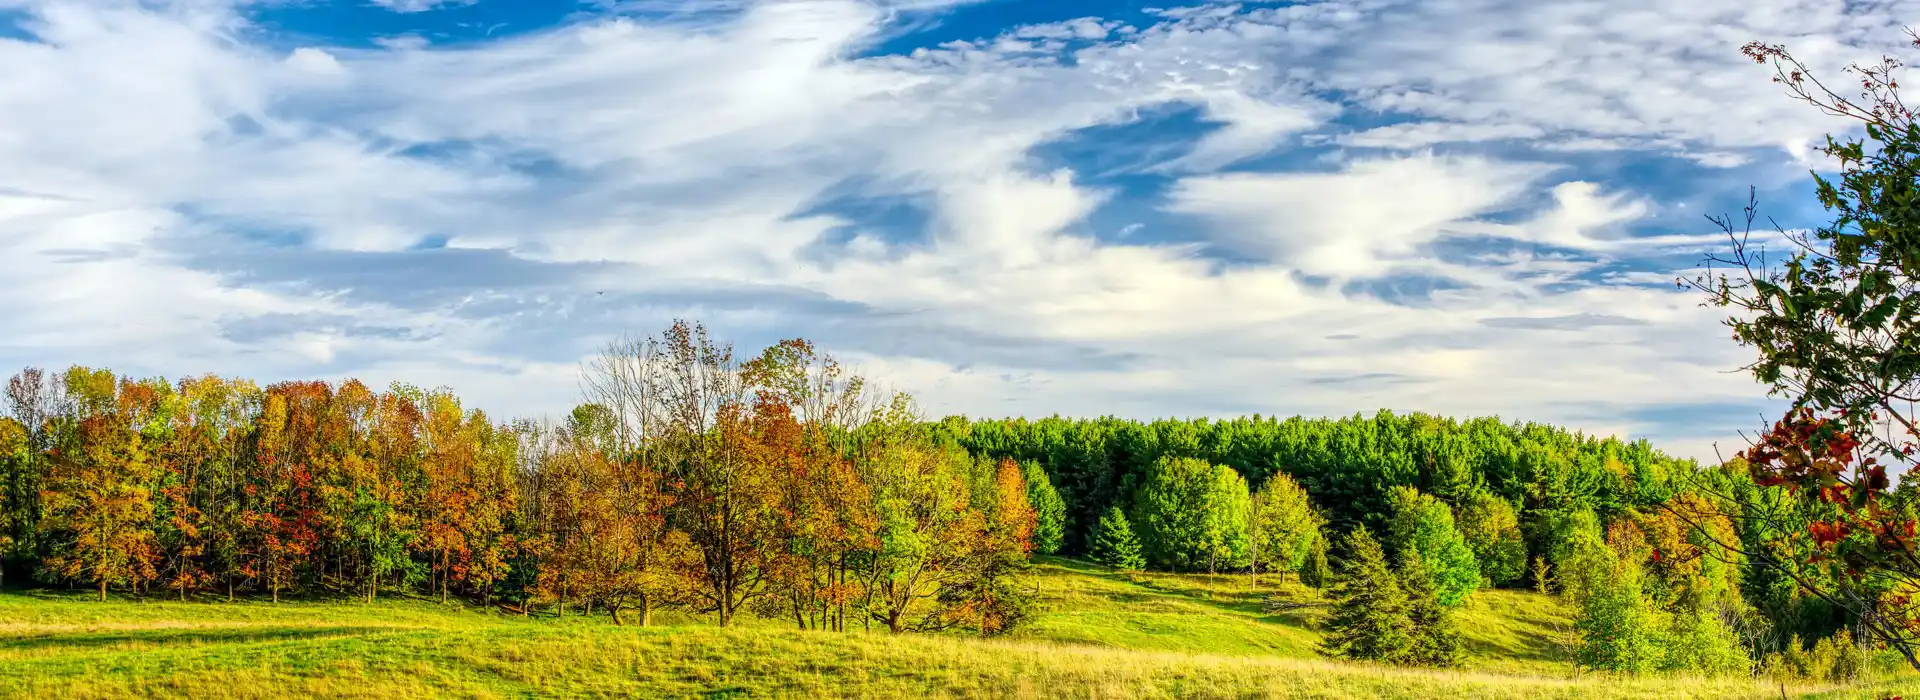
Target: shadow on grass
[1249,603]
[170,636]
[1529,643]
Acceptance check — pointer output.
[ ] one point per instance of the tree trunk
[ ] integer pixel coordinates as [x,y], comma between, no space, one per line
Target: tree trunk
[103,590]
[614,610]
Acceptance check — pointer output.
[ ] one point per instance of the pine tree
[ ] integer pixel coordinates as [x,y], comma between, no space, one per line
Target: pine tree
[1436,642]
[1049,531]
[1371,618]
[1114,544]
[1315,572]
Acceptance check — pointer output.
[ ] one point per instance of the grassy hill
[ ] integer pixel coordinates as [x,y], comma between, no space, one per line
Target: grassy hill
[1099,634]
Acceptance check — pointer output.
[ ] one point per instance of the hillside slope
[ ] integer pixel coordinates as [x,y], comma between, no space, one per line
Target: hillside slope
[1100,634]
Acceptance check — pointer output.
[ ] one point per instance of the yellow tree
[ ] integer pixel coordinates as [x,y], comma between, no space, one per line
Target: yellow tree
[99,506]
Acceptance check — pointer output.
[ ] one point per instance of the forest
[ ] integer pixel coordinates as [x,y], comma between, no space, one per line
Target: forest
[781,487]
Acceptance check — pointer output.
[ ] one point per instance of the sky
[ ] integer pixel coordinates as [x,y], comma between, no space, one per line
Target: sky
[1006,208]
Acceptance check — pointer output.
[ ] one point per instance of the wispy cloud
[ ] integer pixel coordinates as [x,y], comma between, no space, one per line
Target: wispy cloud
[183,190]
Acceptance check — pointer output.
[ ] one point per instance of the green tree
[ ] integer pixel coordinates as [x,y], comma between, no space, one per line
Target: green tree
[1315,572]
[1698,640]
[1436,641]
[1833,326]
[1421,523]
[1114,544]
[1618,627]
[1491,527]
[1283,526]
[1192,515]
[1050,528]
[1372,618]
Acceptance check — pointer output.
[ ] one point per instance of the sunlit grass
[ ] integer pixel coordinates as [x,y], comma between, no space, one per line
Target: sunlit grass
[1100,635]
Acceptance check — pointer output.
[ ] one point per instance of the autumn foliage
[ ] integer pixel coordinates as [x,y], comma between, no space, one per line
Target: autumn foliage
[688,481]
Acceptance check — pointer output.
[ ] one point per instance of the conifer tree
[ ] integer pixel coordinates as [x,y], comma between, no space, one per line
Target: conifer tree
[1113,542]
[1371,618]
[1436,642]
[1050,530]
[1315,571]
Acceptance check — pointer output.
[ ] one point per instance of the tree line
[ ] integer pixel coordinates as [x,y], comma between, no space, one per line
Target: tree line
[689,480]
[781,486]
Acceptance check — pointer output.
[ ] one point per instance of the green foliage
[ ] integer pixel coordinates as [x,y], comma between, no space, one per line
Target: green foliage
[1833,659]
[1191,515]
[1491,527]
[1436,641]
[1347,464]
[1833,326]
[1698,640]
[1315,572]
[1114,544]
[1576,550]
[1372,617]
[1422,524]
[1618,627]
[1283,527]
[1050,529]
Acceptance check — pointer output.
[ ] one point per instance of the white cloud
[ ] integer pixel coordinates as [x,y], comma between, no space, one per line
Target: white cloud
[1355,221]
[409,6]
[646,160]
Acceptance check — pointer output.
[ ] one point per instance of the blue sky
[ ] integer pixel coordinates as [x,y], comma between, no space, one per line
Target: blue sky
[1466,207]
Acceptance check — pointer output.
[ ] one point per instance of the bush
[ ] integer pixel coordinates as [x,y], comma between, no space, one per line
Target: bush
[1835,659]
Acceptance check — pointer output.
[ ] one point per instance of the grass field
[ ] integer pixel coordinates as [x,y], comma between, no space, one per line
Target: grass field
[1100,634]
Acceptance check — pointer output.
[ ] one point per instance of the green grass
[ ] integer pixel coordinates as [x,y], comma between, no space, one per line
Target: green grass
[1099,634]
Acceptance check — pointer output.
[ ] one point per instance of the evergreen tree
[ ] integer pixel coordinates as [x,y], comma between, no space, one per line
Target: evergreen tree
[1114,544]
[1315,572]
[1371,617]
[1436,642]
[1050,528]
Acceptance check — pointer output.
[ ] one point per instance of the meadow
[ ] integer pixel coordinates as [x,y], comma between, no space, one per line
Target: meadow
[1098,634]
